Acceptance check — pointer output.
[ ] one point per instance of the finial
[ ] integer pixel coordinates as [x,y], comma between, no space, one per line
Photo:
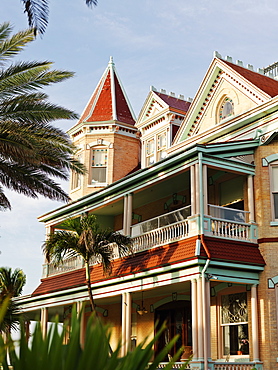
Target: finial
[111,60]
[217,55]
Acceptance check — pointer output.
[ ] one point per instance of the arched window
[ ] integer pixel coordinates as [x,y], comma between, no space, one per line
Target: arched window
[226,108]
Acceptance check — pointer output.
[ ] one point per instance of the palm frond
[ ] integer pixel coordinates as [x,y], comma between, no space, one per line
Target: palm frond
[11,46]
[32,151]
[37,13]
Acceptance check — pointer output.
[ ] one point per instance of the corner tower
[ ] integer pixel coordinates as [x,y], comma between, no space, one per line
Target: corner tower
[107,141]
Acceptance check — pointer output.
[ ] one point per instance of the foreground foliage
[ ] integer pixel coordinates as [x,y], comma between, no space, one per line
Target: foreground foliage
[32,150]
[50,352]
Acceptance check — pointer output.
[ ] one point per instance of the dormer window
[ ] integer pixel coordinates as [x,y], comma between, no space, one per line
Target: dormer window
[161,145]
[226,109]
[150,152]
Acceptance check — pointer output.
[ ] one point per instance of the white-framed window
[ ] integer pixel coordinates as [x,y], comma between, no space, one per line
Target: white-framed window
[234,324]
[150,152]
[76,177]
[274,190]
[161,145]
[99,164]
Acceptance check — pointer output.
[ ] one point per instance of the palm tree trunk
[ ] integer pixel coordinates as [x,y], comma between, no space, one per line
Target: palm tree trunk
[88,282]
[92,302]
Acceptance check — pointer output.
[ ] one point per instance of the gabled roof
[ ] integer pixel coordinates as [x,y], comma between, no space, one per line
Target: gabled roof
[256,88]
[109,100]
[265,83]
[157,103]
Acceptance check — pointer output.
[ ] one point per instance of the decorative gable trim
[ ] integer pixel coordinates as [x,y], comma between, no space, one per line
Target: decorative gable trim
[218,70]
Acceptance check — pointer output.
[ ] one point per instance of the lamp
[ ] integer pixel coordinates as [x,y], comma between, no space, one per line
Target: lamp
[141,310]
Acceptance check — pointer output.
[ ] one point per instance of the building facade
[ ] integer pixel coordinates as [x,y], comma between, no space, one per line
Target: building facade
[195,184]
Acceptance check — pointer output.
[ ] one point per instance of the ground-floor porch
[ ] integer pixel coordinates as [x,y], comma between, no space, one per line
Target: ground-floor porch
[211,306]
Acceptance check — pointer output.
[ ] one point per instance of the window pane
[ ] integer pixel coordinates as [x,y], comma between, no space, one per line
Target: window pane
[161,141]
[235,339]
[275,200]
[150,147]
[99,174]
[234,308]
[275,179]
[99,157]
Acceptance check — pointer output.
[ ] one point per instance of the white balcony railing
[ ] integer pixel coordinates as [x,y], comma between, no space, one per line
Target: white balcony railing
[229,223]
[69,264]
[234,366]
[167,234]
[161,221]
[214,366]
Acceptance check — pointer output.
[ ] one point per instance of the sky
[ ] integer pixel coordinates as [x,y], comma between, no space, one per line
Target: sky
[165,44]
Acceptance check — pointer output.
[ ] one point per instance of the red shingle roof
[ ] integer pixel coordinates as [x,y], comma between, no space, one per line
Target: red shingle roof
[234,251]
[174,102]
[220,249]
[266,84]
[108,101]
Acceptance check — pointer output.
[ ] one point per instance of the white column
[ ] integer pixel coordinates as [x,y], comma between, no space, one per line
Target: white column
[254,319]
[208,319]
[125,214]
[197,188]
[250,195]
[44,320]
[205,188]
[200,320]
[128,321]
[193,190]
[194,306]
[129,214]
[124,324]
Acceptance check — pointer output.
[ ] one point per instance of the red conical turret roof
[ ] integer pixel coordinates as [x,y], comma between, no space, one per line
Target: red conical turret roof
[109,100]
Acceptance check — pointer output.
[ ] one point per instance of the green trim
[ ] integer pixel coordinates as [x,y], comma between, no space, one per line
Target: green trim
[198,106]
[147,176]
[269,159]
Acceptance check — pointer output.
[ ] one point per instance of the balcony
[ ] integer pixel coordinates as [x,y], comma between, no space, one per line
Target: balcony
[173,226]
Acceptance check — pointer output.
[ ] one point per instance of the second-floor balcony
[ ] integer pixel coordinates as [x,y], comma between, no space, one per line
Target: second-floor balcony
[221,222]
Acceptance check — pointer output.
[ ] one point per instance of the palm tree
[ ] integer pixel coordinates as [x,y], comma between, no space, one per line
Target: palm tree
[37,13]
[11,285]
[32,151]
[84,237]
